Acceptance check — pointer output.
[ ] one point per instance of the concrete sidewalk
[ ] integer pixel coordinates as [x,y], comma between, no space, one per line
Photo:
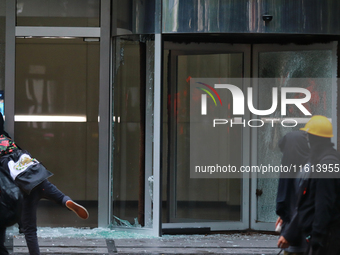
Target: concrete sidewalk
[251,243]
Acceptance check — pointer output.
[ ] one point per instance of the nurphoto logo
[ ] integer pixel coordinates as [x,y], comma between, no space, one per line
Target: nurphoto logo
[239,103]
[238,99]
[229,117]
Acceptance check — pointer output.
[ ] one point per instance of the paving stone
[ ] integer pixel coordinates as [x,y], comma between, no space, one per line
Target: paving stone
[63,250]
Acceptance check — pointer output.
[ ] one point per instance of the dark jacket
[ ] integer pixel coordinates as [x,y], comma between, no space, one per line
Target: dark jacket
[319,197]
[295,149]
[32,176]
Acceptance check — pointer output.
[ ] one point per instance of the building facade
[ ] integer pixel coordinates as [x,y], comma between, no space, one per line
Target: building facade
[99,91]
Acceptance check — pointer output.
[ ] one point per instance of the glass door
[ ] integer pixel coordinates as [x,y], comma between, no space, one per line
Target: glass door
[132,132]
[314,68]
[218,203]
[56,113]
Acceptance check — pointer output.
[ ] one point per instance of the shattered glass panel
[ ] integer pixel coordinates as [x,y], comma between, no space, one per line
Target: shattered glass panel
[132,182]
[149,124]
[286,66]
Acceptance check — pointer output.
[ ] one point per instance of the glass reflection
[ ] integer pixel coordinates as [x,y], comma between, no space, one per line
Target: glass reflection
[57,13]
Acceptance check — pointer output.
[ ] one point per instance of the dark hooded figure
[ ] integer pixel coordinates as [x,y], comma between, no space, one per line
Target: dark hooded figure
[319,205]
[318,199]
[295,149]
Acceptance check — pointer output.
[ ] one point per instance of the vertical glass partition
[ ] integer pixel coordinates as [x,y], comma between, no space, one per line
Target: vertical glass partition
[2,52]
[133,85]
[189,200]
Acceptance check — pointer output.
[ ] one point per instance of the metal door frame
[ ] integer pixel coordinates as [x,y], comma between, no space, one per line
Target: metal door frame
[215,48]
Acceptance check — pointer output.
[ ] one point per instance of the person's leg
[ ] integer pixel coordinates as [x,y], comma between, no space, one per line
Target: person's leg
[3,250]
[29,220]
[77,209]
[51,192]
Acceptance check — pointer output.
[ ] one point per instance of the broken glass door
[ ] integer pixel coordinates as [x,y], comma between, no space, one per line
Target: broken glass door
[132,170]
[313,66]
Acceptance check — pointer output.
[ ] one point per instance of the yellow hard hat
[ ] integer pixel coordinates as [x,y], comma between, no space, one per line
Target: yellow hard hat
[320,126]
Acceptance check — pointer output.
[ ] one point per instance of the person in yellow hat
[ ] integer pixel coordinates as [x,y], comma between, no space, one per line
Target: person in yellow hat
[318,206]
[319,127]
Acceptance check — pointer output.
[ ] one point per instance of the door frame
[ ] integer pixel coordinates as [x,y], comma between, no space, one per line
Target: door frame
[212,48]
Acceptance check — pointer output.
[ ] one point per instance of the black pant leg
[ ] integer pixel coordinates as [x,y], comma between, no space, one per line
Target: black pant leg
[29,220]
[3,250]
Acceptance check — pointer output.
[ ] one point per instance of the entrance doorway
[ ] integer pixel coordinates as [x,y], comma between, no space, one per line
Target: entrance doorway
[248,202]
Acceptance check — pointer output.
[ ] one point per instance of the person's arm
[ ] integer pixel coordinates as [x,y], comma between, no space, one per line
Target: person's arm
[325,197]
[291,232]
[282,200]
[283,243]
[279,221]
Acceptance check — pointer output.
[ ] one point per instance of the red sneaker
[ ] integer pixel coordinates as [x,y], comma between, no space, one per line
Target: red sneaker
[78,209]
